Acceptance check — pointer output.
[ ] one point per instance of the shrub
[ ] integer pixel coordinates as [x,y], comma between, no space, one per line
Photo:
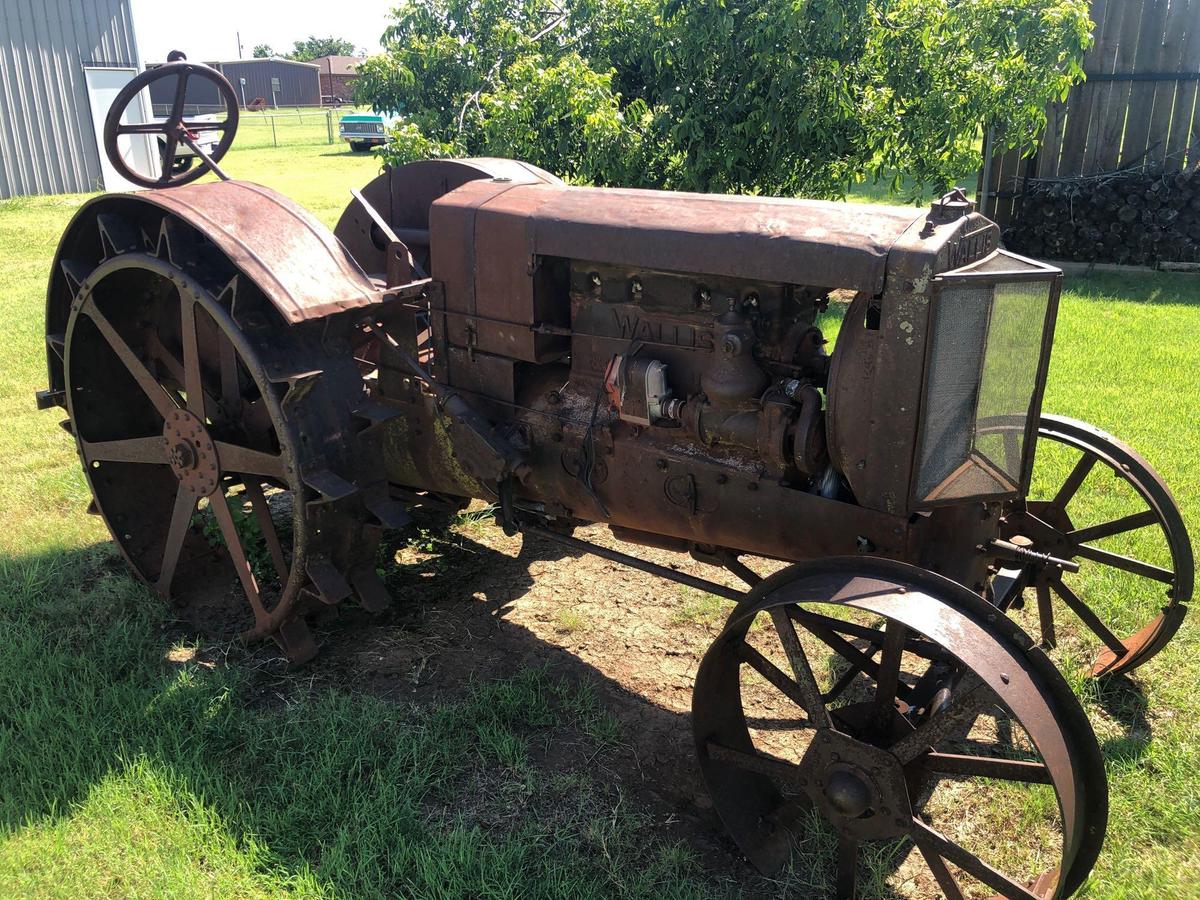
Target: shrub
[778,96]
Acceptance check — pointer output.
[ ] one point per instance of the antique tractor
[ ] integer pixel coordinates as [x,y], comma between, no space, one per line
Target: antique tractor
[233,373]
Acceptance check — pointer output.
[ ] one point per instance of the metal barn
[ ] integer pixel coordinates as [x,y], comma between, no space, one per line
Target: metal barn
[279,82]
[61,62]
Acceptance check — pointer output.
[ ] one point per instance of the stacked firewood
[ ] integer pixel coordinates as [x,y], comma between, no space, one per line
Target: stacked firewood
[1133,217]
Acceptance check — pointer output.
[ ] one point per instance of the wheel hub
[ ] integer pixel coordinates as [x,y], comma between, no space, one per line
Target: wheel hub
[191,453]
[847,793]
[860,788]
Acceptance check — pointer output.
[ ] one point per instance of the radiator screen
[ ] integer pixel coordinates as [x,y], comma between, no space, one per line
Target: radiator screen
[982,378]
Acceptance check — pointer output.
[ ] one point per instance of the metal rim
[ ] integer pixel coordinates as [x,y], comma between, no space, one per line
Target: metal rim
[869,770]
[176,126]
[189,443]
[161,429]
[1048,527]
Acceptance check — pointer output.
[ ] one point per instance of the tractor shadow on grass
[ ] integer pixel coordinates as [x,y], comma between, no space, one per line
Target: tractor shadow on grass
[243,730]
[1123,699]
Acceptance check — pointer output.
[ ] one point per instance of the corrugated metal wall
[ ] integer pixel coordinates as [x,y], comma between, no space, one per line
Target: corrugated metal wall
[201,96]
[47,139]
[299,85]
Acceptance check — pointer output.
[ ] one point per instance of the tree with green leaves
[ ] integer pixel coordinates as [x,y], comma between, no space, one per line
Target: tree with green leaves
[315,47]
[773,96]
[308,49]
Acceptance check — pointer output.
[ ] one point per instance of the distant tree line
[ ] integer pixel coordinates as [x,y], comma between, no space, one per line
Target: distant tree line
[777,96]
[309,49]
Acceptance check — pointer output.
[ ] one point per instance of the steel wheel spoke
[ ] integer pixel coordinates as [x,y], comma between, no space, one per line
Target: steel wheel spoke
[759,763]
[245,461]
[847,874]
[847,651]
[827,624]
[970,863]
[987,767]
[233,542]
[181,519]
[161,355]
[150,387]
[967,702]
[231,392]
[1089,618]
[1073,482]
[773,674]
[1125,563]
[806,683]
[1118,526]
[174,367]
[887,681]
[193,384]
[847,679]
[133,450]
[940,872]
[1046,614]
[262,512]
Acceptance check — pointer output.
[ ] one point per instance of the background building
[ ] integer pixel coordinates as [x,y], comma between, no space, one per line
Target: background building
[278,82]
[338,74]
[61,64]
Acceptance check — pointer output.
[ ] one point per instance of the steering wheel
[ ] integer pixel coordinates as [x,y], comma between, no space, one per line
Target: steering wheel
[176,129]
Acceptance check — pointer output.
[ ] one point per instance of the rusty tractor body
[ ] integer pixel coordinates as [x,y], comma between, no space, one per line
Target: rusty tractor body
[652,361]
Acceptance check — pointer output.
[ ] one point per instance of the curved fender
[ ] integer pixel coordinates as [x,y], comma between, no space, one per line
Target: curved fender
[294,259]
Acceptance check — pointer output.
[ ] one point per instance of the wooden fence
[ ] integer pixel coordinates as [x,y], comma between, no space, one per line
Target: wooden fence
[1138,105]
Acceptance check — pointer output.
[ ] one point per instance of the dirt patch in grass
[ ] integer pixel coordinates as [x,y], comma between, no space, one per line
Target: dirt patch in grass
[473,606]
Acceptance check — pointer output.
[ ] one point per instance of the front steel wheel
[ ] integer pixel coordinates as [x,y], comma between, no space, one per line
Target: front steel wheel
[853,704]
[1096,501]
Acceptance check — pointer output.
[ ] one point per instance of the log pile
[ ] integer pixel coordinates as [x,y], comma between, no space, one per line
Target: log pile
[1133,217]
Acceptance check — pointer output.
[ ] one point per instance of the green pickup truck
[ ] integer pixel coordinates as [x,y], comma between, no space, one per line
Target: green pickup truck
[365,130]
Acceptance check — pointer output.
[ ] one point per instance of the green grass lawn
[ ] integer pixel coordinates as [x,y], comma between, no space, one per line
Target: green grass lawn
[131,767]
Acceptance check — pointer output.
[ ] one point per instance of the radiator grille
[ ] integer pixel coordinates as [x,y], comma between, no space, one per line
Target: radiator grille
[983,378]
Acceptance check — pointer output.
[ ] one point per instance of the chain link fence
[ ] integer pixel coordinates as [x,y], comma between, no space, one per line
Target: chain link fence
[290,127]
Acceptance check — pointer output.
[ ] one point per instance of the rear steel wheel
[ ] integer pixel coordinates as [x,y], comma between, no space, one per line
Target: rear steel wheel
[895,706]
[1101,504]
[204,440]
